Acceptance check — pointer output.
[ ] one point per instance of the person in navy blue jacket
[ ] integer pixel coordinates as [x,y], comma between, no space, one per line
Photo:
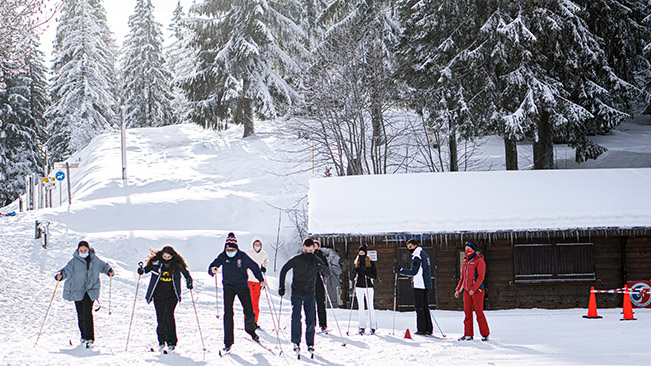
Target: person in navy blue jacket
[166,267]
[421,282]
[235,281]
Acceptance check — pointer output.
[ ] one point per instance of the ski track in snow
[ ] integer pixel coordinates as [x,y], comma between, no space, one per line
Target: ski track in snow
[189,187]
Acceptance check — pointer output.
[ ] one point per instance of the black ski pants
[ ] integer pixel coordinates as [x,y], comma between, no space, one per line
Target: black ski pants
[85,318]
[166,329]
[321,303]
[423,317]
[249,316]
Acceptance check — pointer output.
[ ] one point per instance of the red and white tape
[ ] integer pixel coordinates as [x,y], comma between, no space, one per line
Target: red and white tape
[621,291]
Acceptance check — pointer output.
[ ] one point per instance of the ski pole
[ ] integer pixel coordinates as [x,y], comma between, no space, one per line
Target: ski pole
[437,324]
[197,316]
[110,288]
[47,312]
[217,294]
[352,304]
[395,289]
[343,343]
[368,303]
[134,307]
[273,318]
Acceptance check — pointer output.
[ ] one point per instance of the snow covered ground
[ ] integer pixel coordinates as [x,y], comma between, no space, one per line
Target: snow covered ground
[188,187]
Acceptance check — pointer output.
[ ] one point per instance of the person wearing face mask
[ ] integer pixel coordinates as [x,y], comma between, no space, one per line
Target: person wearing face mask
[261,258]
[365,273]
[471,283]
[421,275]
[166,266]
[82,286]
[307,267]
[234,278]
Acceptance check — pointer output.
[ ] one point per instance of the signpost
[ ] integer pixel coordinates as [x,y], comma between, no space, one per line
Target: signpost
[123,141]
[67,166]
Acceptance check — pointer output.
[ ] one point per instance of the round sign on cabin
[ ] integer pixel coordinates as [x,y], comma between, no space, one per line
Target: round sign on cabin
[640,300]
[60,176]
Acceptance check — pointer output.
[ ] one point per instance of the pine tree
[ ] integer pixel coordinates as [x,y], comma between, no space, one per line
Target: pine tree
[147,81]
[434,56]
[22,106]
[83,86]
[245,54]
[367,27]
[180,61]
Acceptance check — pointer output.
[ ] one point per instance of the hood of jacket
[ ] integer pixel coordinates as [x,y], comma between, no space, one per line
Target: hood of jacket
[256,238]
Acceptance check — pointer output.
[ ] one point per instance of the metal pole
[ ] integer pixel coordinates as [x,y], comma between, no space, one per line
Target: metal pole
[60,195]
[68,178]
[123,142]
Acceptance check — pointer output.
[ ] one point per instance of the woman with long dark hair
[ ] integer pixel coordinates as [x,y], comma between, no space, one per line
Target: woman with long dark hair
[166,266]
[365,273]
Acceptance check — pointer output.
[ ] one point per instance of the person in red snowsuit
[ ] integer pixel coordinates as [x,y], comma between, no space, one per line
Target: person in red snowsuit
[472,281]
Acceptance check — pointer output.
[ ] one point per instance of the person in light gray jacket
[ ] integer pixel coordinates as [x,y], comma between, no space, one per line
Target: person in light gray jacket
[82,286]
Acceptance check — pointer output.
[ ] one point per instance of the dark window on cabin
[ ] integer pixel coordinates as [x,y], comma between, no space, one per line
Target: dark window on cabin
[553,262]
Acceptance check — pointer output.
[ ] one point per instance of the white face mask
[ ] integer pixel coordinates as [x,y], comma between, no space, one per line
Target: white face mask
[257,248]
[83,255]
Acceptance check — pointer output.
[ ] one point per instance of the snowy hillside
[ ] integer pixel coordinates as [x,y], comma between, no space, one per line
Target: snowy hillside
[188,187]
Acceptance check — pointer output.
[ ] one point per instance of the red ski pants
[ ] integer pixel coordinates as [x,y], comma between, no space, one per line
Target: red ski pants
[254,287]
[476,301]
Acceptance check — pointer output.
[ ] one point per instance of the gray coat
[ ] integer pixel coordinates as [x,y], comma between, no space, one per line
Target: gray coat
[80,280]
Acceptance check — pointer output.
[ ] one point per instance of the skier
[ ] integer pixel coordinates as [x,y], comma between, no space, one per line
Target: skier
[307,267]
[472,281]
[421,282]
[164,289]
[365,273]
[261,258]
[82,286]
[320,291]
[234,278]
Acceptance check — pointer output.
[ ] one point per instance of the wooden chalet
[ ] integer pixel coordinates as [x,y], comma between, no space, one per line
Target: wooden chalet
[547,236]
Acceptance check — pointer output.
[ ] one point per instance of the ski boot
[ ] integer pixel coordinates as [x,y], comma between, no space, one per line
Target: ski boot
[372,331]
[361,331]
[311,350]
[465,338]
[484,338]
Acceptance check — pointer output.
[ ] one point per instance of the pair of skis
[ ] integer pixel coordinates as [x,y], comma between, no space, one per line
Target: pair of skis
[225,352]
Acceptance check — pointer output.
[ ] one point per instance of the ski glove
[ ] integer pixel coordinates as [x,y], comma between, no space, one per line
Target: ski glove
[396,268]
[264,270]
[281,291]
[189,284]
[141,271]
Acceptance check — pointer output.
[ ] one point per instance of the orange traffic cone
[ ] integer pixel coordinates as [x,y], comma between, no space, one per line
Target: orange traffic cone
[407,334]
[592,306]
[628,308]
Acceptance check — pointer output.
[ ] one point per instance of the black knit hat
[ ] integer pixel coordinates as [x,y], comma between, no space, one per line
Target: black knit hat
[308,242]
[83,243]
[363,248]
[231,241]
[471,245]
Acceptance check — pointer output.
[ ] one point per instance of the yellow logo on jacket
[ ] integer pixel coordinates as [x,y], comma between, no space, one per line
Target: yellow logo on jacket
[166,276]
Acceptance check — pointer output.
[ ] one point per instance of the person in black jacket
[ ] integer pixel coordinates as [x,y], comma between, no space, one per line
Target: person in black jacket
[320,290]
[307,267]
[235,281]
[365,273]
[166,266]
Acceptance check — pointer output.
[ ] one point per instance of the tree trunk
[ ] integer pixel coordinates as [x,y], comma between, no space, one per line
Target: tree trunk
[454,154]
[246,111]
[511,153]
[543,149]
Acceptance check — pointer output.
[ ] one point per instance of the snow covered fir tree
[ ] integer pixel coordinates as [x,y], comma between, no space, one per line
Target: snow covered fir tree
[84,85]
[22,126]
[180,60]
[245,58]
[146,79]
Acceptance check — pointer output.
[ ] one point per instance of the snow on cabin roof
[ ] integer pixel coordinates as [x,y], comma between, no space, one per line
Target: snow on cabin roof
[494,201]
